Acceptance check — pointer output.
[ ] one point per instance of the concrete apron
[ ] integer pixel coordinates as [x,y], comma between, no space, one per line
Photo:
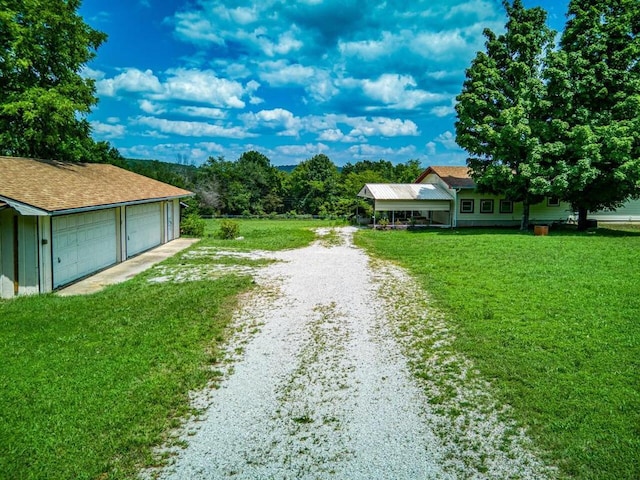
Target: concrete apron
[127,269]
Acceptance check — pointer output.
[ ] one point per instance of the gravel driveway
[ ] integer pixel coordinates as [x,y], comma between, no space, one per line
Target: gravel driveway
[322,385]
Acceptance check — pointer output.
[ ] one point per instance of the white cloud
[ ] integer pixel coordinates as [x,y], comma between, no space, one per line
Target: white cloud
[281,73]
[192,129]
[131,80]
[107,131]
[398,91]
[381,126]
[376,151]
[443,111]
[447,140]
[202,112]
[88,72]
[194,27]
[202,86]
[279,119]
[371,49]
[431,148]
[151,107]
[331,135]
[307,150]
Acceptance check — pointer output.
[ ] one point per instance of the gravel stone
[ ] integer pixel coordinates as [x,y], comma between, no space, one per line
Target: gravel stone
[320,383]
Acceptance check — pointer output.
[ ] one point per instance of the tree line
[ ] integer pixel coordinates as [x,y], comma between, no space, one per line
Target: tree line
[557,121]
[251,185]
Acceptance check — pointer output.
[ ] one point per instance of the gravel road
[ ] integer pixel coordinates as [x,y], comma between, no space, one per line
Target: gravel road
[321,385]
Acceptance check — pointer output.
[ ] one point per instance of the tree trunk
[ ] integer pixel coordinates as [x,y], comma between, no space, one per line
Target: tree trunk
[582,219]
[524,224]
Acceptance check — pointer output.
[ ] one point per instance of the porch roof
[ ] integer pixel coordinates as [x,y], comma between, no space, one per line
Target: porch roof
[404,191]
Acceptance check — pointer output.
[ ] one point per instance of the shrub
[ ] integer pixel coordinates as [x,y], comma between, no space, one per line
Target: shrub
[192,225]
[229,230]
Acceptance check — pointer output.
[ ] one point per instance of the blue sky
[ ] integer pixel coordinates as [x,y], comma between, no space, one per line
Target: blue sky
[353,79]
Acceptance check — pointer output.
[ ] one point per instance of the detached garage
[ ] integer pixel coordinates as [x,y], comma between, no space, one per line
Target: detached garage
[60,222]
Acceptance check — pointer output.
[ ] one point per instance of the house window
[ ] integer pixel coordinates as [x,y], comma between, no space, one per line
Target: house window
[486,206]
[506,206]
[466,206]
[553,202]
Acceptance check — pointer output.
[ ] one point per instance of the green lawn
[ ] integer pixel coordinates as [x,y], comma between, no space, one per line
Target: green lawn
[553,322]
[90,383]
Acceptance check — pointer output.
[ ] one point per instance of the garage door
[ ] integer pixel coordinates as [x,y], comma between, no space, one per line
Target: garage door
[82,244]
[144,227]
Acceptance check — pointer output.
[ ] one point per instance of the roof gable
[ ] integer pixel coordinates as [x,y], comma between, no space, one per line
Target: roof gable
[55,186]
[454,177]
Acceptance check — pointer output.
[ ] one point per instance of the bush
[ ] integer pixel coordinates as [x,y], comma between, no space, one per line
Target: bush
[229,230]
[192,225]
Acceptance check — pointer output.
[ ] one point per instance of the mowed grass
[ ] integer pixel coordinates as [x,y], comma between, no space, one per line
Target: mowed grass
[266,234]
[553,322]
[90,384]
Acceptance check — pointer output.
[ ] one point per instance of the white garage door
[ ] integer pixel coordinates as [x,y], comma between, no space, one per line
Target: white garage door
[144,227]
[82,244]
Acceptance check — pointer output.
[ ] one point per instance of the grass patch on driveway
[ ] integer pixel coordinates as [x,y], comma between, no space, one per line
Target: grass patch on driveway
[91,383]
[552,322]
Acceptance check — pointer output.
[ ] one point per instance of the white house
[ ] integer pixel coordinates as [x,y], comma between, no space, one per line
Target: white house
[452,200]
[60,222]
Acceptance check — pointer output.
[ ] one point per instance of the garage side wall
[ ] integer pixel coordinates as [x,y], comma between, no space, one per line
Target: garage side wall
[6,253]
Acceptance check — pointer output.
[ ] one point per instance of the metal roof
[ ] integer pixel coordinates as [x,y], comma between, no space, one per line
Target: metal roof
[404,191]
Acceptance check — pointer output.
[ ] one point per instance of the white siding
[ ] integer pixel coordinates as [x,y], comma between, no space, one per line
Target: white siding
[412,205]
[27,267]
[144,227]
[83,243]
[538,213]
[628,213]
[6,253]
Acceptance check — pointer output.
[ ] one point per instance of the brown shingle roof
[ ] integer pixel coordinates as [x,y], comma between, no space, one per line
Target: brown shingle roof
[55,186]
[455,177]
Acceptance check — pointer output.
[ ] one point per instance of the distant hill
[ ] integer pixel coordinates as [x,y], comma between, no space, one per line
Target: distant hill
[182,176]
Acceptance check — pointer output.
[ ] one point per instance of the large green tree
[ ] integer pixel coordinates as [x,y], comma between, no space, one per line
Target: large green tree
[314,185]
[44,44]
[594,89]
[502,117]
[248,185]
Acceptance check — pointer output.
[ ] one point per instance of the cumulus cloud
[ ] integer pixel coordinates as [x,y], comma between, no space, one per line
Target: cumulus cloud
[447,140]
[279,119]
[152,108]
[381,126]
[130,80]
[280,73]
[107,131]
[307,150]
[191,129]
[202,112]
[199,86]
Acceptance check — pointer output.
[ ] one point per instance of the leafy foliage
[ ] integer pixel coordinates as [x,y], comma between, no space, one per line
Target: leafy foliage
[43,47]
[192,225]
[594,91]
[229,230]
[314,185]
[501,110]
